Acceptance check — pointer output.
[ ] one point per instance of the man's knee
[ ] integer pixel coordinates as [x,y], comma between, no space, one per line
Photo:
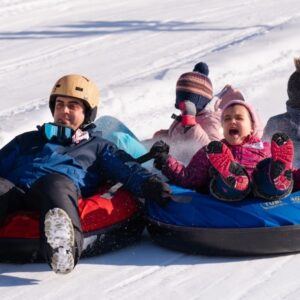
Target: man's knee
[56,183]
[54,179]
[54,190]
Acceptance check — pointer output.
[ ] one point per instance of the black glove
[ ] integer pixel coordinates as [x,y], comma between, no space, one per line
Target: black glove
[160,153]
[156,190]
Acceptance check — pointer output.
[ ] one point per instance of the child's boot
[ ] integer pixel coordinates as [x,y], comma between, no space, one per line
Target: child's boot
[272,178]
[282,151]
[230,180]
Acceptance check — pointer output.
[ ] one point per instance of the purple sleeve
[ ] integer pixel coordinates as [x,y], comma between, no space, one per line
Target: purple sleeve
[296,176]
[194,175]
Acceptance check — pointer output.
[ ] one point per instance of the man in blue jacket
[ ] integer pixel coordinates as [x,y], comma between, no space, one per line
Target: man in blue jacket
[49,169]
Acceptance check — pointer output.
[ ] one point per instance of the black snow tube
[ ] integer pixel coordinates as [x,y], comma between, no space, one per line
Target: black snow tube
[227,241]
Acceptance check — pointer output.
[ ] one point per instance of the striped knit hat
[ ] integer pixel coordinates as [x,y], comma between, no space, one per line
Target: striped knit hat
[195,87]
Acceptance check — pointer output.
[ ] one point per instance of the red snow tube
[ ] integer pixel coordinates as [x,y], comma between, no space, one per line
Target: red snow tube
[107,224]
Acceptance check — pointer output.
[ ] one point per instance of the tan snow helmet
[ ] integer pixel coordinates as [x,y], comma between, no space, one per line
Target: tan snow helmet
[79,87]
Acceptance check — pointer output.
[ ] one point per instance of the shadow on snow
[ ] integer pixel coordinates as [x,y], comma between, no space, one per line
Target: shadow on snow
[98,28]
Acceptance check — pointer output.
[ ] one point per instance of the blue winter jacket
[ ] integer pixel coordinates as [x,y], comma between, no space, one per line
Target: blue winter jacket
[88,164]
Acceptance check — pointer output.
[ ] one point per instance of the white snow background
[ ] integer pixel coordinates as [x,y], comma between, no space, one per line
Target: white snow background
[135,51]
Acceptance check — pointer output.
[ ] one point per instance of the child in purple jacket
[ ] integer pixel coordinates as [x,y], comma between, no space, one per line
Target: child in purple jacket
[239,164]
[289,121]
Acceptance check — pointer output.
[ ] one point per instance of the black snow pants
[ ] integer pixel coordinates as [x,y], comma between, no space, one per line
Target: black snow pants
[49,191]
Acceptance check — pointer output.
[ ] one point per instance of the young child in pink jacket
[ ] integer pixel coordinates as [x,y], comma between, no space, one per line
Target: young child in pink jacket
[200,120]
[239,164]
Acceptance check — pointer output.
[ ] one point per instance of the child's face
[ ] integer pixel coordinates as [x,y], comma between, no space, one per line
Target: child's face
[237,124]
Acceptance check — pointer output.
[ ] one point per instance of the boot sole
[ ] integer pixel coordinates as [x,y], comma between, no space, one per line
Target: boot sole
[280,172]
[281,148]
[233,174]
[60,237]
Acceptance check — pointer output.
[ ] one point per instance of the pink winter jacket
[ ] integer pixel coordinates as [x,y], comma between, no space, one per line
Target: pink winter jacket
[196,174]
[183,145]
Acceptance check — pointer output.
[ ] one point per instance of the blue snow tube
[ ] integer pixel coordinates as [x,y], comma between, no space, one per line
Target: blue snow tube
[206,225]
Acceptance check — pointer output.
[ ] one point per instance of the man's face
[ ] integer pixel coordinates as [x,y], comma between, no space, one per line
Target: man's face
[69,112]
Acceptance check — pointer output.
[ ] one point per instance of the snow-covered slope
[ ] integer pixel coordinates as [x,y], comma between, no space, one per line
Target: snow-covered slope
[135,51]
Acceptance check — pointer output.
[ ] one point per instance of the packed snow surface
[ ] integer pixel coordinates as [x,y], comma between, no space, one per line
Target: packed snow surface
[135,51]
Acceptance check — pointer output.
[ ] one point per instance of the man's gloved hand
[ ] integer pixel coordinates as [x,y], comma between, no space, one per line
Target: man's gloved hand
[160,153]
[156,190]
[188,114]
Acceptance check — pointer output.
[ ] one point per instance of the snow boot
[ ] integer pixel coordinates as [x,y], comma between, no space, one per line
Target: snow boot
[282,151]
[59,233]
[272,177]
[230,180]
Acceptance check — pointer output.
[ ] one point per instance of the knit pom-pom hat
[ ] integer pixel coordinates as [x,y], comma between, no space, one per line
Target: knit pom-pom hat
[195,87]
